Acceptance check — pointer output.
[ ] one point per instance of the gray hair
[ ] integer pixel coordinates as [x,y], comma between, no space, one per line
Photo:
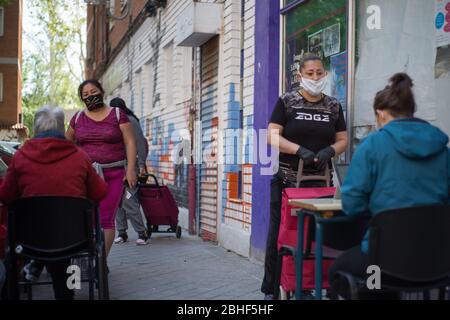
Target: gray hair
[48,118]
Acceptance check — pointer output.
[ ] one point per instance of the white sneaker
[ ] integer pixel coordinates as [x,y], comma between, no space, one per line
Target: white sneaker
[120,240]
[142,242]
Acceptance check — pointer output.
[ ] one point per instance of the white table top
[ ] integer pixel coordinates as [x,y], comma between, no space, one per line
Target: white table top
[316,204]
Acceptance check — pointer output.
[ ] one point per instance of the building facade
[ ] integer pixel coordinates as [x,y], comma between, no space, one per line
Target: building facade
[10,65]
[204,76]
[363,43]
[193,92]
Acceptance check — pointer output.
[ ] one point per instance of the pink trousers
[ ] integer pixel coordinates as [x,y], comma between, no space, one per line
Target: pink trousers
[109,205]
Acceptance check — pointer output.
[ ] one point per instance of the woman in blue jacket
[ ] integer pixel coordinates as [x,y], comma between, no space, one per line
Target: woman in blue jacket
[403,164]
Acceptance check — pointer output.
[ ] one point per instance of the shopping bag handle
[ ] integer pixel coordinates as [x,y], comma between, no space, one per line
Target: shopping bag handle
[147,175]
[300,177]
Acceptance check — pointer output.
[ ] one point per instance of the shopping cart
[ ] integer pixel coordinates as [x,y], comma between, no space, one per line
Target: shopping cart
[159,206]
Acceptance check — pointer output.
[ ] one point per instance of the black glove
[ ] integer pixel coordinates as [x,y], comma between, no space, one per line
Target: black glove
[306,155]
[323,156]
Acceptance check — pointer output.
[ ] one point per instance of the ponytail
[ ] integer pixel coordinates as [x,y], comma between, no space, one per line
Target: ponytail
[397,97]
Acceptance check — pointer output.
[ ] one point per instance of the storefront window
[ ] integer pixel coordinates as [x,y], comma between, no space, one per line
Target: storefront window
[318,26]
[411,36]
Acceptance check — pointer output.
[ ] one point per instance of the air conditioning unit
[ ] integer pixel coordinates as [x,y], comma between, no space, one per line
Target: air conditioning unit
[198,23]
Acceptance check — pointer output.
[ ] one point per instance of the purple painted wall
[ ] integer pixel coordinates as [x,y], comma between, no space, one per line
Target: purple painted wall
[266,93]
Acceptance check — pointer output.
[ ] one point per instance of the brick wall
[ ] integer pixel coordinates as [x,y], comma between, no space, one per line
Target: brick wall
[104,34]
[152,76]
[238,100]
[120,27]
[10,63]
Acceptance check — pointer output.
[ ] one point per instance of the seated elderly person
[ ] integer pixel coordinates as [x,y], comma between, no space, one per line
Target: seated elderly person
[50,165]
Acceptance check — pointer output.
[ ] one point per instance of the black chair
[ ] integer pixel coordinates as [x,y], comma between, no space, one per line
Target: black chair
[412,248]
[50,229]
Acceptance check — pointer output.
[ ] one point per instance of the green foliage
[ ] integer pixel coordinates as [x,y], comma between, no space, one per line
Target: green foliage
[54,68]
[35,75]
[5,2]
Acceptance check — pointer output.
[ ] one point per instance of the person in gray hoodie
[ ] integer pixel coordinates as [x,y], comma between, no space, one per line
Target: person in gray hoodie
[130,207]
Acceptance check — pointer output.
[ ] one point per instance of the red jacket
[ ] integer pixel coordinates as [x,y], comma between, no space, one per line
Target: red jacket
[51,167]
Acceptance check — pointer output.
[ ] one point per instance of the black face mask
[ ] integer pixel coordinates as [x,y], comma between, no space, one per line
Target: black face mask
[94,102]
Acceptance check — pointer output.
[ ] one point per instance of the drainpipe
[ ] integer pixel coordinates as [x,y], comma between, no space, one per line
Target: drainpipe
[198,118]
[192,199]
[192,191]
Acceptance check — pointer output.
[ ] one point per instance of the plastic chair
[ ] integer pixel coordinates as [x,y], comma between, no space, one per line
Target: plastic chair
[54,229]
[412,248]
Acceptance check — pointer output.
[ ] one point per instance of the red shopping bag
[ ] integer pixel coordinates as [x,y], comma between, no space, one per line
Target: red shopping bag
[288,236]
[158,204]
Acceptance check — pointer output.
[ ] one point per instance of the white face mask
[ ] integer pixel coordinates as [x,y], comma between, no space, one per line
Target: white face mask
[314,87]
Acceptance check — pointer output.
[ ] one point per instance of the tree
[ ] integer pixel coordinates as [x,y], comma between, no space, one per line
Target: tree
[5,2]
[34,75]
[54,68]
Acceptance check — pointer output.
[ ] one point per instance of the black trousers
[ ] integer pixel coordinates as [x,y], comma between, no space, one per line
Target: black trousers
[2,276]
[352,261]
[270,263]
[355,262]
[58,272]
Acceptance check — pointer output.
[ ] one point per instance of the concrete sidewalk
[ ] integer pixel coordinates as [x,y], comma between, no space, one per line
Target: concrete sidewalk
[170,268]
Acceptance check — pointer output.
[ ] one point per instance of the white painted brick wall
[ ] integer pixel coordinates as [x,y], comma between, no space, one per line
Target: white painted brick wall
[136,55]
[139,54]
[231,71]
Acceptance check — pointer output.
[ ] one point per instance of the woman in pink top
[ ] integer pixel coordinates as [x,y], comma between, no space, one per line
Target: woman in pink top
[106,135]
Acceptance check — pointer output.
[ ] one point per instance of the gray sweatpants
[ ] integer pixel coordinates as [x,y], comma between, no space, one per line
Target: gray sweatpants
[130,209]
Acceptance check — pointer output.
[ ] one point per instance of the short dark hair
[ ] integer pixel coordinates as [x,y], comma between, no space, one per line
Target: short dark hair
[397,97]
[94,82]
[120,103]
[308,56]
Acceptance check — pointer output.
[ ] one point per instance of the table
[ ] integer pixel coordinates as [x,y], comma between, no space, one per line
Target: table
[323,211]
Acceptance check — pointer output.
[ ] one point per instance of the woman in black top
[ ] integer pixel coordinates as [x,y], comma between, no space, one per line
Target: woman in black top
[308,125]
